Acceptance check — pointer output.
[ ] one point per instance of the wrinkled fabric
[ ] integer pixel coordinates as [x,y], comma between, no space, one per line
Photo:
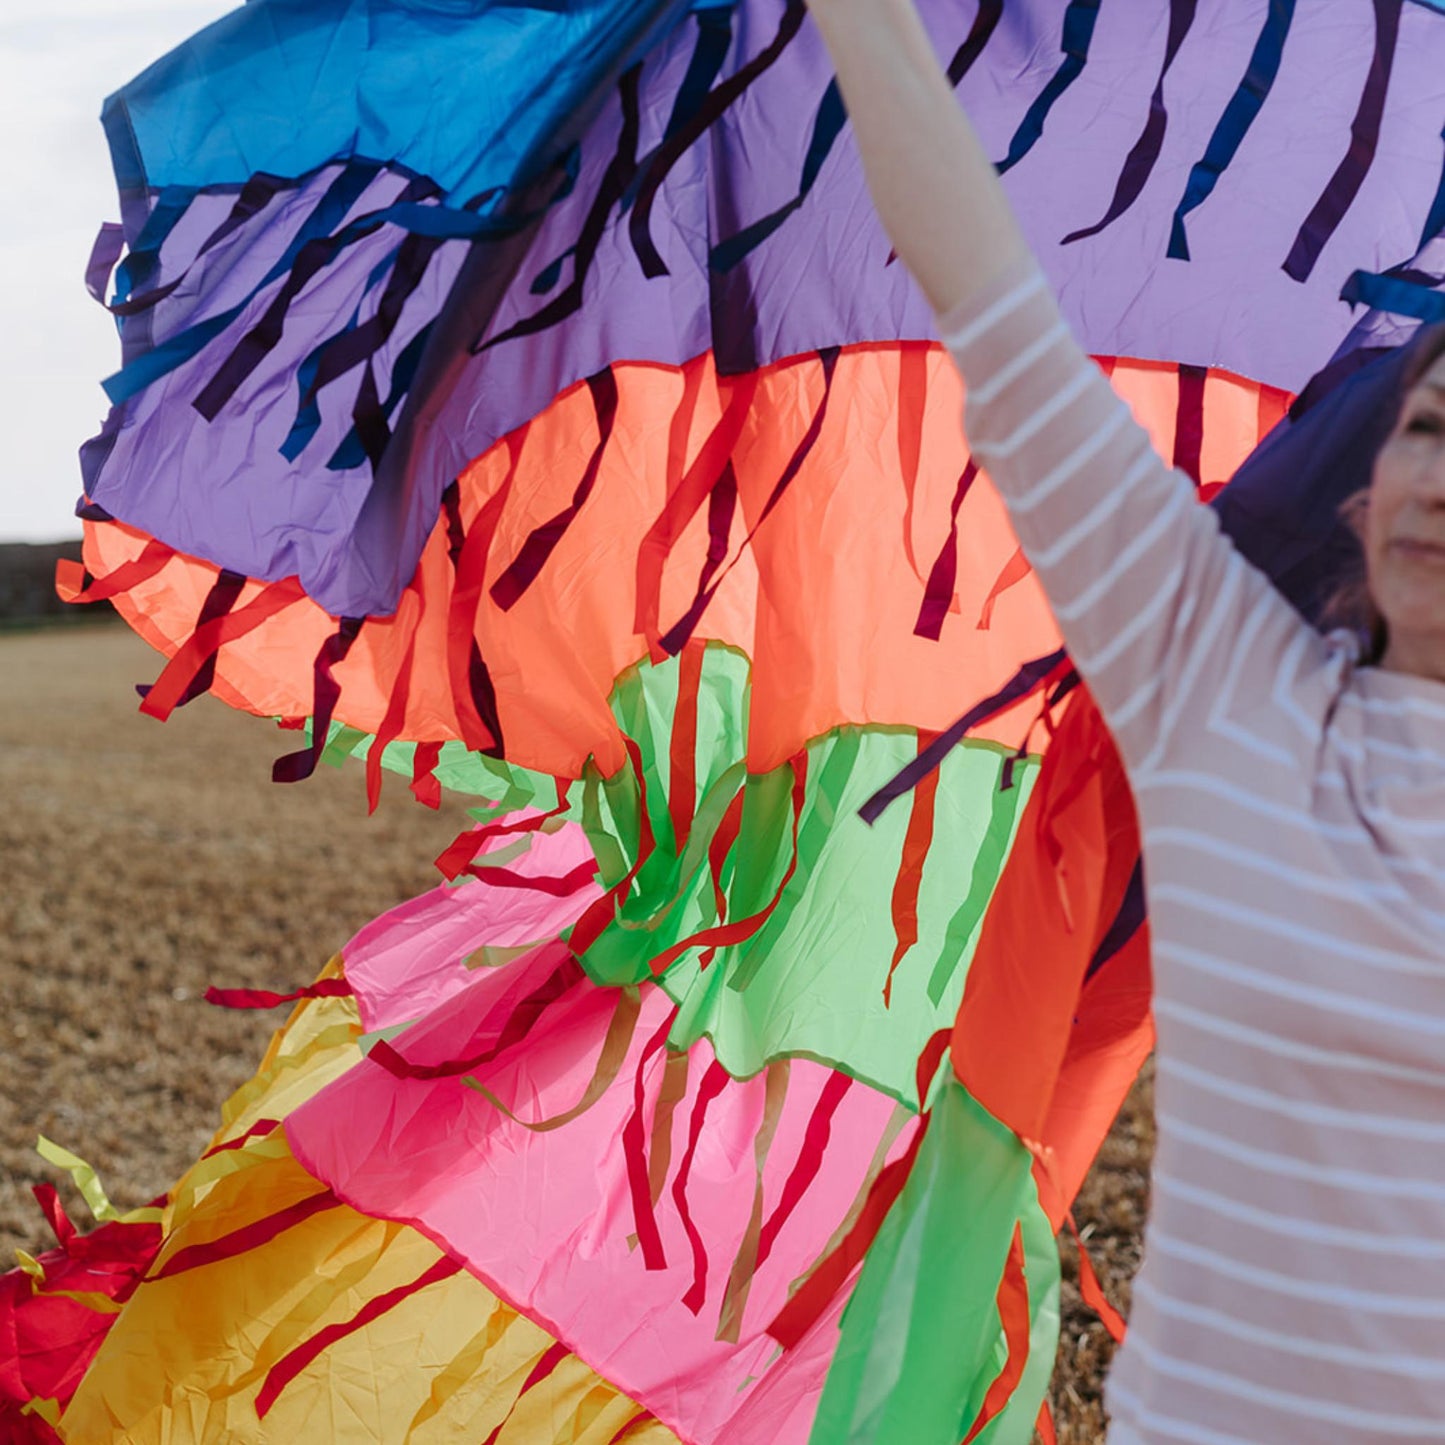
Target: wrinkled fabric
[661,249]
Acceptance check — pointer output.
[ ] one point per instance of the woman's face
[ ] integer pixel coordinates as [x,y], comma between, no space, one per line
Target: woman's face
[1405,535]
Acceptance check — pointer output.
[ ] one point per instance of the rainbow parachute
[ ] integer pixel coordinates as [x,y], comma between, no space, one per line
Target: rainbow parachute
[524,400]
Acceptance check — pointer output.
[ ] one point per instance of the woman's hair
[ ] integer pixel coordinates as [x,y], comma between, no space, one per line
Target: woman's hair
[1352,605]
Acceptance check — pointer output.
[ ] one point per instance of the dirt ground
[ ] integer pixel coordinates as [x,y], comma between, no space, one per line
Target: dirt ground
[143,862]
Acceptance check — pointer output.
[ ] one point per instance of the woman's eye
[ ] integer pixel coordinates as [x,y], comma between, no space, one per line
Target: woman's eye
[1426,423]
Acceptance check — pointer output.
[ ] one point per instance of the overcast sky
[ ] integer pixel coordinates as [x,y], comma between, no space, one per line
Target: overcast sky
[58,60]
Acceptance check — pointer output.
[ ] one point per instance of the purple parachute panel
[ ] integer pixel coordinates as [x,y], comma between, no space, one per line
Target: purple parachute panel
[307,374]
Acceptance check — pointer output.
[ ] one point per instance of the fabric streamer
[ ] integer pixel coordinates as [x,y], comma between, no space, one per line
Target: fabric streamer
[521,401]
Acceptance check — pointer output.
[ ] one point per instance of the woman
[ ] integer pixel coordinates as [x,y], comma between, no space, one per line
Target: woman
[1292,799]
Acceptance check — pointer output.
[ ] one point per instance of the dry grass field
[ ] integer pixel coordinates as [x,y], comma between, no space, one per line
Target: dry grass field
[143,862]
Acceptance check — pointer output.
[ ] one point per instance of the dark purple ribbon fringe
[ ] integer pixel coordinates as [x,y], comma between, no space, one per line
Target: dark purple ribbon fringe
[614,184]
[1344,185]
[539,546]
[942,576]
[1139,164]
[1189,422]
[1019,685]
[1127,922]
[293,767]
[224,594]
[656,166]
[109,243]
[990,12]
[677,637]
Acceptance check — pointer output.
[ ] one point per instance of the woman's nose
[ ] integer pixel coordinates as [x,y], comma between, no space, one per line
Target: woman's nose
[1429,482]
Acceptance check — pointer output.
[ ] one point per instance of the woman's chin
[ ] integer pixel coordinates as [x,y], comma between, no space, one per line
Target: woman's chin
[1417,640]
[1410,590]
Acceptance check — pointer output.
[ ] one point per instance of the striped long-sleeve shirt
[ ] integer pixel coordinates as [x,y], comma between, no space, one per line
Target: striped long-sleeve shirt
[1293,815]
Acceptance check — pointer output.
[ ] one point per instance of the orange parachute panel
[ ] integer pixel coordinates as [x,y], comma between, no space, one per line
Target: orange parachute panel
[587,541]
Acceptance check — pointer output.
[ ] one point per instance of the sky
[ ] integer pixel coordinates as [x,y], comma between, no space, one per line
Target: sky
[59,59]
